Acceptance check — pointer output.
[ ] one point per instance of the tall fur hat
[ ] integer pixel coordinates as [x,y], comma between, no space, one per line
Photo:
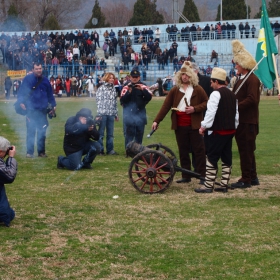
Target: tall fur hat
[242,56]
[187,69]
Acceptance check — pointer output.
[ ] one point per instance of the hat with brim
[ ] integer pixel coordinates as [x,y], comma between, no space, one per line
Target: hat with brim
[218,74]
[135,73]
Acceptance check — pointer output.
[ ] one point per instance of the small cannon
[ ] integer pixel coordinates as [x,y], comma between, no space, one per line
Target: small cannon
[153,167]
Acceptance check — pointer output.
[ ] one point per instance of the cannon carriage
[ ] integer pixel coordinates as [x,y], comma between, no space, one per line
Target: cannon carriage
[153,167]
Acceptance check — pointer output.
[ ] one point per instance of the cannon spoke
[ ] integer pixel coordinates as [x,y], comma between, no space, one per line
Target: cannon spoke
[165,150]
[151,172]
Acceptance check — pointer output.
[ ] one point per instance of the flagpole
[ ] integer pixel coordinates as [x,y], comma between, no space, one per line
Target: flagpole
[247,76]
[276,74]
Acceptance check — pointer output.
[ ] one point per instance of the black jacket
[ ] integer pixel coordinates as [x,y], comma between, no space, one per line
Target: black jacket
[77,135]
[134,104]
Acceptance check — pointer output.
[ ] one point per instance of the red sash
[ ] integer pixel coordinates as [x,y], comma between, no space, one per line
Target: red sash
[183,119]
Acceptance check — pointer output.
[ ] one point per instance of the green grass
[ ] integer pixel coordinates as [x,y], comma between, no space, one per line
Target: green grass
[68,226]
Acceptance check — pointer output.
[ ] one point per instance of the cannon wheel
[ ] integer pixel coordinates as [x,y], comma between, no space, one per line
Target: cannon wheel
[151,172]
[168,152]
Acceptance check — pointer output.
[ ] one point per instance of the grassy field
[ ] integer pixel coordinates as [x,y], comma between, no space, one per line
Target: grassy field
[69,226]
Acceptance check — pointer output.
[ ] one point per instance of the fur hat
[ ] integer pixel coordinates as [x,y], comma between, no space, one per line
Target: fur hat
[219,74]
[242,56]
[188,70]
[186,67]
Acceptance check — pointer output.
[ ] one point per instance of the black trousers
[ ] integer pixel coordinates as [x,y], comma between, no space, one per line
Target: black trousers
[188,138]
[245,136]
[219,147]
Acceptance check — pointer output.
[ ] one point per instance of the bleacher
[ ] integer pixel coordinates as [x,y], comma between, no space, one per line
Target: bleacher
[204,48]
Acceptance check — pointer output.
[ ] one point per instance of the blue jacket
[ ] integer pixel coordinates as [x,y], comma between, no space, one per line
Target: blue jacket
[8,171]
[39,98]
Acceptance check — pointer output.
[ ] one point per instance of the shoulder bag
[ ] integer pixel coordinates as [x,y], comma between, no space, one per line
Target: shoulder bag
[17,106]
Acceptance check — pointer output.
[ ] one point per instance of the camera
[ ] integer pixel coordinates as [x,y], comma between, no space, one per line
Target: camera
[132,85]
[96,121]
[51,113]
[9,149]
[90,121]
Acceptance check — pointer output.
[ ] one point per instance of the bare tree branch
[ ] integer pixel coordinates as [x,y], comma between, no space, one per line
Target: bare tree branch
[117,14]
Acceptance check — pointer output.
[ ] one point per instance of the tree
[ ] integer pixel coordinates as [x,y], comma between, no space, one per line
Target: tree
[233,9]
[190,12]
[34,13]
[97,13]
[51,23]
[145,13]
[113,11]
[13,21]
[273,9]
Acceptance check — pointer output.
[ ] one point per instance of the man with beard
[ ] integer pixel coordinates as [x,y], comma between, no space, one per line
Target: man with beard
[187,100]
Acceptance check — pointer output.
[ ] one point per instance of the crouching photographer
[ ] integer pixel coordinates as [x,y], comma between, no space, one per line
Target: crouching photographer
[8,172]
[80,139]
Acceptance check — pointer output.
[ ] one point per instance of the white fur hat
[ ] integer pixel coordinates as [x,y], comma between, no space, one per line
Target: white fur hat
[242,56]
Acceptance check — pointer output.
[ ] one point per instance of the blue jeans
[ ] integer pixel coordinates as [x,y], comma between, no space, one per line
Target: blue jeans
[75,162]
[134,132]
[54,69]
[108,123]
[36,121]
[161,65]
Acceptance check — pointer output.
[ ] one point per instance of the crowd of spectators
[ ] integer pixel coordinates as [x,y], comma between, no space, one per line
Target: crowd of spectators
[75,52]
[73,49]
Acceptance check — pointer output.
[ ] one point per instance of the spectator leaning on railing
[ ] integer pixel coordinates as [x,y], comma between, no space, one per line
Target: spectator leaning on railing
[21,51]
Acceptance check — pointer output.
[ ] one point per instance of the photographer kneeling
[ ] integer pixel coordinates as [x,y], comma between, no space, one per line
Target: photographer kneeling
[79,133]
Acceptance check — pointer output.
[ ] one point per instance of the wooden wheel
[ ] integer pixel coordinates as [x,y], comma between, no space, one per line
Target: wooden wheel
[151,171]
[168,152]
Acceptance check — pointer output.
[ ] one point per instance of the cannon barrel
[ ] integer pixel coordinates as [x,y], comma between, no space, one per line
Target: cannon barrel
[133,148]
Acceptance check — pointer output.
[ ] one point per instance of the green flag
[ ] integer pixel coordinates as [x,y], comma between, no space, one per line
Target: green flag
[265,48]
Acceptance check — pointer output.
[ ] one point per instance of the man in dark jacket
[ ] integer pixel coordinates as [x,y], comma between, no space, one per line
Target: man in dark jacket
[35,96]
[241,29]
[8,172]
[8,85]
[134,98]
[79,133]
[247,92]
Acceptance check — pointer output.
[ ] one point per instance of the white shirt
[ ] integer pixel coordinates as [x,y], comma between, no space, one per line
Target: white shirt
[212,106]
[157,33]
[90,84]
[187,94]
